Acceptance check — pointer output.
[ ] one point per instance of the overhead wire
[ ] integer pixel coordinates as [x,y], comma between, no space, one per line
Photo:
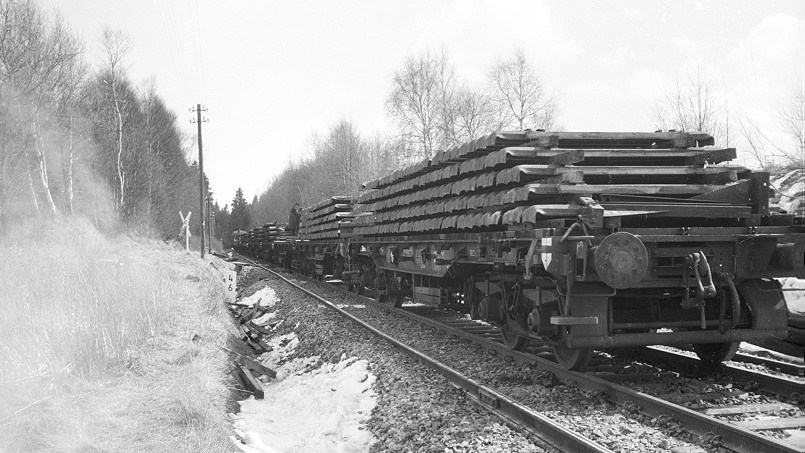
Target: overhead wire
[173,44]
[200,54]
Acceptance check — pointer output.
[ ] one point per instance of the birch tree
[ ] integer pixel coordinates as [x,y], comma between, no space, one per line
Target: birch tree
[417,98]
[519,94]
[39,59]
[693,105]
[475,115]
[115,47]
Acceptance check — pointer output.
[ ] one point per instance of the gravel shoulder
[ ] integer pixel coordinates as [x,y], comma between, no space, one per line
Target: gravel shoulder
[417,409]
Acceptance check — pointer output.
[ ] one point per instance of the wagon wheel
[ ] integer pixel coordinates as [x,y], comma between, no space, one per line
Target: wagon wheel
[572,359]
[364,279]
[511,339]
[711,354]
[396,298]
[472,298]
[380,287]
[338,269]
[475,313]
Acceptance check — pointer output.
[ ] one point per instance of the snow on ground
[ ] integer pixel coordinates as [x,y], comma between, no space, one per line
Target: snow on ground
[305,408]
[265,319]
[266,297]
[794,299]
[321,410]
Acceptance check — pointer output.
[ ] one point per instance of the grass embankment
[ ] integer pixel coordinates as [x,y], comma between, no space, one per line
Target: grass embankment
[109,345]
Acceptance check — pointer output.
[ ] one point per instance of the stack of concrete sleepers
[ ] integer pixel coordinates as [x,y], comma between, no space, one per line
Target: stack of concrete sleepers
[510,178]
[325,219]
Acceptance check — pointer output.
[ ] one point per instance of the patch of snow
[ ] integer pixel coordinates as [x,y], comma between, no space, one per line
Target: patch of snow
[266,297]
[784,180]
[250,442]
[748,348]
[320,410]
[343,306]
[794,299]
[265,318]
[790,190]
[281,347]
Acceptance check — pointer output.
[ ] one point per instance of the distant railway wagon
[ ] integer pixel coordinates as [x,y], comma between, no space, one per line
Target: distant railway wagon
[580,240]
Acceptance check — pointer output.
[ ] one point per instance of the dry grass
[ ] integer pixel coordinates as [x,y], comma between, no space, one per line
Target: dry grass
[109,345]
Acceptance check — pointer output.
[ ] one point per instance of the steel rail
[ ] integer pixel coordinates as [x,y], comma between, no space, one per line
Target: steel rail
[731,436]
[793,369]
[532,421]
[778,385]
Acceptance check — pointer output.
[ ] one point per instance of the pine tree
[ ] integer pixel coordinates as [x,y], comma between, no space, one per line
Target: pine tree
[240,217]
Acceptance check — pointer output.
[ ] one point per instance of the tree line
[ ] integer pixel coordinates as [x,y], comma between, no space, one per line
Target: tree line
[433,109]
[78,139]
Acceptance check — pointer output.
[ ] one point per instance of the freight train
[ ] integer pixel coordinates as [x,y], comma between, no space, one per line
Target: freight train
[581,240]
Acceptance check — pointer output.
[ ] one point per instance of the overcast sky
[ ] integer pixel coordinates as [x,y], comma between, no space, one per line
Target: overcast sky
[273,73]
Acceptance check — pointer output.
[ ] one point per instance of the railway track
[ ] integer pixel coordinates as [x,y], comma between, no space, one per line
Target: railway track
[741,436]
[506,408]
[702,420]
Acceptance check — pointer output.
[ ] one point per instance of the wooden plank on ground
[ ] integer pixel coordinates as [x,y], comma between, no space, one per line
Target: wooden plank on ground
[251,384]
[256,366]
[258,328]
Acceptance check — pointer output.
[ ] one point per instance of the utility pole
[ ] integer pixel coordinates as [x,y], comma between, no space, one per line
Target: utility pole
[209,224]
[202,193]
[212,226]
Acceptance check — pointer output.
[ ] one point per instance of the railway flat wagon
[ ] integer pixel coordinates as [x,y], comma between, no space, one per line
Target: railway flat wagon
[580,240]
[317,248]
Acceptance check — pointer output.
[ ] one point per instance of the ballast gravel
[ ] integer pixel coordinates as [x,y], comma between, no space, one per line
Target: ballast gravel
[585,412]
[417,409]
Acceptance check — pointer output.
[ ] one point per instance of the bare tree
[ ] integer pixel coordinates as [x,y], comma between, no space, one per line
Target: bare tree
[39,58]
[519,94]
[793,119]
[341,160]
[349,146]
[692,105]
[116,45]
[73,127]
[474,114]
[385,155]
[448,103]
[758,146]
[417,100]
[770,153]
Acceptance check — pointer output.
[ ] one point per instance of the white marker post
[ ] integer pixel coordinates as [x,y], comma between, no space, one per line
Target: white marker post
[186,229]
[230,284]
